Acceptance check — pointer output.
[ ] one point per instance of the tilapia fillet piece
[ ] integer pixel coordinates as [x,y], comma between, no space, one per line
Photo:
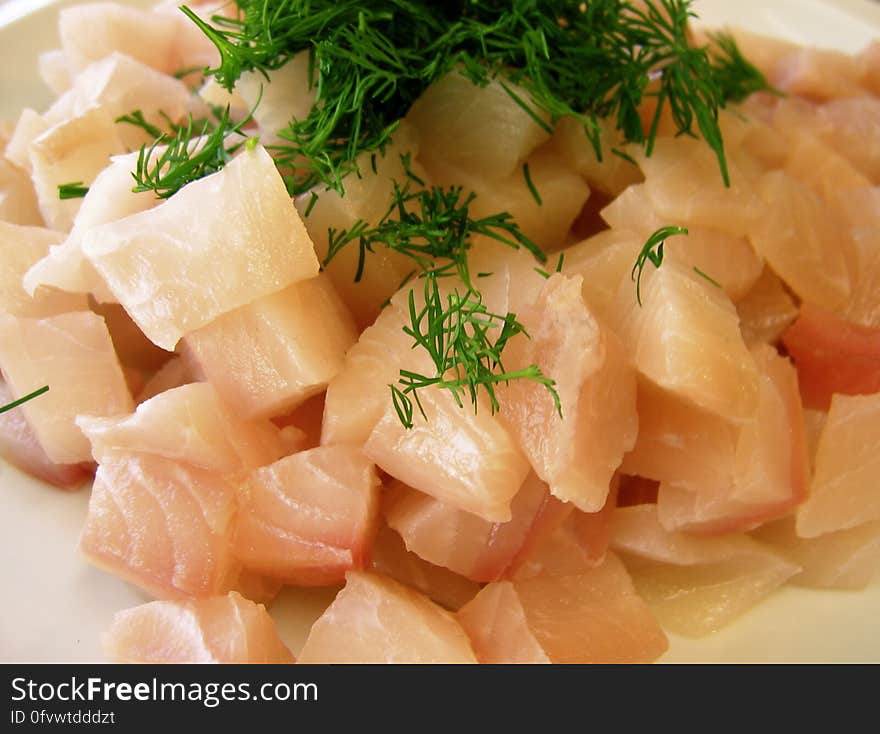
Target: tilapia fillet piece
[219,629]
[162,525]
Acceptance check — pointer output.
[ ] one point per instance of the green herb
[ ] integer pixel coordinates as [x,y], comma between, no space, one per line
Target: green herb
[531,185]
[26,398]
[190,152]
[586,60]
[368,63]
[707,277]
[74,190]
[456,331]
[545,274]
[432,226]
[313,199]
[183,73]
[736,76]
[652,251]
[137,119]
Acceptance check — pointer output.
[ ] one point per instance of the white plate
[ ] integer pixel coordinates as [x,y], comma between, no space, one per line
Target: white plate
[56,606]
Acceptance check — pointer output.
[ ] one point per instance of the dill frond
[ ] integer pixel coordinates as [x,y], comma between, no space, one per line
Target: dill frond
[456,330]
[191,151]
[707,277]
[24,399]
[73,190]
[371,61]
[433,227]
[137,119]
[652,251]
[531,185]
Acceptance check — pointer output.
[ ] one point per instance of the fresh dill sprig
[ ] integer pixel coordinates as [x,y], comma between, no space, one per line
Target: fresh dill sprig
[74,190]
[191,151]
[736,76]
[652,251]
[24,399]
[183,73]
[707,277]
[137,119]
[544,274]
[456,330]
[370,62]
[531,185]
[432,226]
